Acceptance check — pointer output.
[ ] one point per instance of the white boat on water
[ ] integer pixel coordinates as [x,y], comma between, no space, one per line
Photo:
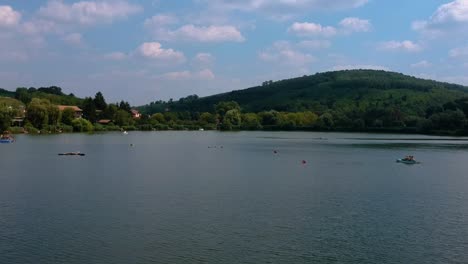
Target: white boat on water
[125,133]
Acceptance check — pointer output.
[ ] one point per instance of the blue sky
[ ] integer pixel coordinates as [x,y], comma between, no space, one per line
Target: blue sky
[145,50]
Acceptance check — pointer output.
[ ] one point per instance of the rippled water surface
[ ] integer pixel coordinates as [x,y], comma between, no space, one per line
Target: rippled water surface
[208,197]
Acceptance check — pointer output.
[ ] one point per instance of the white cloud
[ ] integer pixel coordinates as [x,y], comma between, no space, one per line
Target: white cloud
[406,45]
[458,52]
[285,53]
[8,16]
[284,5]
[160,20]
[204,59]
[154,50]
[199,33]
[354,24]
[446,18]
[456,11]
[205,74]
[314,44]
[88,12]
[311,29]
[75,39]
[117,56]
[40,26]
[346,26]
[421,64]
[359,67]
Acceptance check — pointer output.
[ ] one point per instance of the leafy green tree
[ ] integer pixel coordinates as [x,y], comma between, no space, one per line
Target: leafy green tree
[222,108]
[37,113]
[270,118]
[326,121]
[68,115]
[110,111]
[309,119]
[54,114]
[89,109]
[125,106]
[232,120]
[171,116]
[82,125]
[251,121]
[207,118]
[159,118]
[123,118]
[23,95]
[99,101]
[5,118]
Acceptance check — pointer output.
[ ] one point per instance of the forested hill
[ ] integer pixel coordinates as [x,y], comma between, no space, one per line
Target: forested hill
[339,91]
[54,94]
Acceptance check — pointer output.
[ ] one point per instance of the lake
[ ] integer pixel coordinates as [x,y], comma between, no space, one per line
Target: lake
[211,197]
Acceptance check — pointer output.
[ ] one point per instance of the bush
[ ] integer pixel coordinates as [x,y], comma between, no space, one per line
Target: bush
[129,128]
[160,127]
[66,128]
[99,128]
[16,130]
[145,127]
[31,129]
[82,125]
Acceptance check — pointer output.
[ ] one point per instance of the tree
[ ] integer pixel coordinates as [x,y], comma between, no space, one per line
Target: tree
[89,109]
[123,118]
[125,106]
[222,108]
[23,95]
[251,121]
[207,118]
[82,125]
[110,111]
[37,113]
[68,115]
[232,120]
[5,118]
[270,118]
[99,101]
[158,117]
[326,121]
[54,115]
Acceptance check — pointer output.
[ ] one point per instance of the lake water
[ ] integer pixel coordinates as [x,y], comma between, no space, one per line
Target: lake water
[210,197]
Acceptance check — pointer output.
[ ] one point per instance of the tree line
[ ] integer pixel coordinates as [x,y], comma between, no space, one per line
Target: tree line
[41,114]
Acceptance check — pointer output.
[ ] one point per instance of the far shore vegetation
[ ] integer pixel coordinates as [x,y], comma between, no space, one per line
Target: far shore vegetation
[356,100]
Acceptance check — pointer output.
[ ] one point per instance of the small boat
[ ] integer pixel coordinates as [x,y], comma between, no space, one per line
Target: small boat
[125,133]
[406,161]
[6,139]
[72,154]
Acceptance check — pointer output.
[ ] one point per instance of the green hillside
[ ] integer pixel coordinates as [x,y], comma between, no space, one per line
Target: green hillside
[352,100]
[330,90]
